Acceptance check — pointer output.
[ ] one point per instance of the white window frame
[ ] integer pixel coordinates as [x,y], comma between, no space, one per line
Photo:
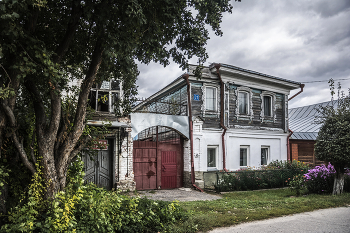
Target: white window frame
[106,87]
[272,116]
[248,156]
[227,109]
[268,155]
[204,105]
[215,99]
[216,148]
[249,92]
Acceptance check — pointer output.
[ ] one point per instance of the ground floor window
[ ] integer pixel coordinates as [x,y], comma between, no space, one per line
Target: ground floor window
[244,156]
[264,155]
[211,157]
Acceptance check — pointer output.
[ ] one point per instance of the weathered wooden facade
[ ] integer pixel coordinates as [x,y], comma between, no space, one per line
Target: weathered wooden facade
[237,118]
[111,166]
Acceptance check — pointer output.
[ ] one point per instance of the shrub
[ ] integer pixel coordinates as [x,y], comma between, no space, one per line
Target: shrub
[87,208]
[273,175]
[297,184]
[320,179]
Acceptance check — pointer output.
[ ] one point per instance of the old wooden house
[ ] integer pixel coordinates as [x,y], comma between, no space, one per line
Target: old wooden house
[110,166]
[237,118]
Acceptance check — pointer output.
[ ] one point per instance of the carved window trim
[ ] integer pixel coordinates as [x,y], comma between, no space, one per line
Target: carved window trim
[250,114]
[273,106]
[217,105]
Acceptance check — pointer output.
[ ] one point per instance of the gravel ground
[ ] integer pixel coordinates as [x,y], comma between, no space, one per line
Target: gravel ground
[180,194]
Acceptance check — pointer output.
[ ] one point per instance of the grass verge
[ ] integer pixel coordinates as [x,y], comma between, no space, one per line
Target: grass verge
[239,207]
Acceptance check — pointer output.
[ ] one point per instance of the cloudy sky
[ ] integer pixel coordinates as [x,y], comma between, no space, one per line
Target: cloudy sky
[307,41]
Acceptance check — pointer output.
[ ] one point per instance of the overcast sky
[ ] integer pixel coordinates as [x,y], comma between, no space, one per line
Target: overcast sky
[301,40]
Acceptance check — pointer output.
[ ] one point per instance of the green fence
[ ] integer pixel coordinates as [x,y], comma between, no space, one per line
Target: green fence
[249,180]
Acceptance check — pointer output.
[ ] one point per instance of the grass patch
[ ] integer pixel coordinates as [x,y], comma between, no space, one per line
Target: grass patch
[239,207]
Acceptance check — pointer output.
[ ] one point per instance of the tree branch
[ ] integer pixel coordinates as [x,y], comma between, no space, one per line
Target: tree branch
[77,12]
[18,145]
[37,103]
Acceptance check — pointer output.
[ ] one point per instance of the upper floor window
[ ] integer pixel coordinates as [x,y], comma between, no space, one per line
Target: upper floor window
[103,96]
[268,110]
[210,98]
[267,105]
[243,102]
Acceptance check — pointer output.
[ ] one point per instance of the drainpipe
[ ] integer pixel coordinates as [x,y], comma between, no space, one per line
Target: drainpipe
[186,76]
[301,90]
[222,115]
[288,145]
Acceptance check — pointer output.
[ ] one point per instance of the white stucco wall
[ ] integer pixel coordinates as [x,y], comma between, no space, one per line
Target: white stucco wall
[276,141]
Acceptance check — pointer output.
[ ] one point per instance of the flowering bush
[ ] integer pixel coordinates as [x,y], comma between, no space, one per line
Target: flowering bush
[320,179]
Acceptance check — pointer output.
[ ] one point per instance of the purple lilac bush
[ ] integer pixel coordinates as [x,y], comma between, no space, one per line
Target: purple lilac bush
[320,179]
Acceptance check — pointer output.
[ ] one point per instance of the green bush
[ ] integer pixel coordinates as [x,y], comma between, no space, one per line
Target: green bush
[87,208]
[274,175]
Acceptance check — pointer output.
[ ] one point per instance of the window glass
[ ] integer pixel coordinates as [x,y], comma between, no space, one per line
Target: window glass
[103,103]
[211,157]
[243,103]
[210,99]
[267,105]
[264,155]
[243,156]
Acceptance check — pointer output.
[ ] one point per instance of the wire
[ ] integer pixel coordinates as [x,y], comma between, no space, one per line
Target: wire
[327,80]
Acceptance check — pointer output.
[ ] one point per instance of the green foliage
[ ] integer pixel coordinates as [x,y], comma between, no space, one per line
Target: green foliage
[3,174]
[87,208]
[297,184]
[276,174]
[333,140]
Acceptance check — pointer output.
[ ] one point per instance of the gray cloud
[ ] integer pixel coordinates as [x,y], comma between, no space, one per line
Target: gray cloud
[299,40]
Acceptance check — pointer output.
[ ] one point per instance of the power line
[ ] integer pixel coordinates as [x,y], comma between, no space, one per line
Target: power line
[319,81]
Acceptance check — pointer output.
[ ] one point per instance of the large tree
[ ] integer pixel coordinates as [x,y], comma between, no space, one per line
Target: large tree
[44,44]
[333,140]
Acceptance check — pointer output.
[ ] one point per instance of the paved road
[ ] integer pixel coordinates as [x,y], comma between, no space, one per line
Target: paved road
[336,220]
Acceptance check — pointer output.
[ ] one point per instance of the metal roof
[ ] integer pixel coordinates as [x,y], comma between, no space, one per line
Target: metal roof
[302,120]
[257,73]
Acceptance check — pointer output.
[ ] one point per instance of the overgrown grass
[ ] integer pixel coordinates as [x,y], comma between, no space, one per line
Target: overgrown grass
[239,207]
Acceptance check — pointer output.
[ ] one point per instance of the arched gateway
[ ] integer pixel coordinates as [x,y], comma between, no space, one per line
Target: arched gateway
[158,158]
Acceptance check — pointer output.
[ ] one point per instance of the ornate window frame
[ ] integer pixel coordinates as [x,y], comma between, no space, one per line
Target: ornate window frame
[250,114]
[217,105]
[273,106]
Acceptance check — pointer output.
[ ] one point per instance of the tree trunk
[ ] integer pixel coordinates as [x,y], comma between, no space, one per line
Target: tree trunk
[338,183]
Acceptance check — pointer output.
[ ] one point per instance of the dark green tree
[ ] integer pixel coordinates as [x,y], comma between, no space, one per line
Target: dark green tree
[333,140]
[45,44]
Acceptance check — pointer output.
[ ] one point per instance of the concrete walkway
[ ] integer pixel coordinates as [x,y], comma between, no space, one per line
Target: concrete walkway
[180,194]
[336,220]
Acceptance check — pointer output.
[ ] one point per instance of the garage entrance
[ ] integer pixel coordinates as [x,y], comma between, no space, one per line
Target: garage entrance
[158,159]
